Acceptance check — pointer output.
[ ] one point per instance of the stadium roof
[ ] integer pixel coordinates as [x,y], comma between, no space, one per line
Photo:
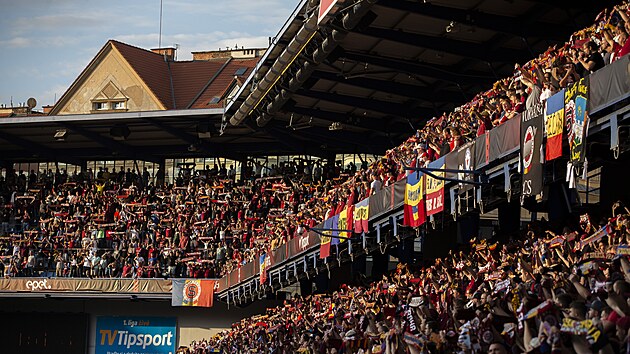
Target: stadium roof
[152,136]
[379,69]
[382,68]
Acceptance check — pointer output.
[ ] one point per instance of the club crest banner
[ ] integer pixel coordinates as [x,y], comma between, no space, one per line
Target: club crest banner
[531,146]
[466,161]
[193,292]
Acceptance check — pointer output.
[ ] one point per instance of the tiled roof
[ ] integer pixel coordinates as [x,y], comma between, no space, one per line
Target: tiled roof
[190,77]
[178,84]
[222,82]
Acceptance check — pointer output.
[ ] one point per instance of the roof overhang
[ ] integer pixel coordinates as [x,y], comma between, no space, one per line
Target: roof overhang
[381,69]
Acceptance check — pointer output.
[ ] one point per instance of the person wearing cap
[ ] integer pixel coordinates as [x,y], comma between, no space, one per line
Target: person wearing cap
[595,309]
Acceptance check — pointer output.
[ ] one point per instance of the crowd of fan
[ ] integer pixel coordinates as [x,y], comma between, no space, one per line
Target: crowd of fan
[540,292]
[123,224]
[128,224]
[532,83]
[496,298]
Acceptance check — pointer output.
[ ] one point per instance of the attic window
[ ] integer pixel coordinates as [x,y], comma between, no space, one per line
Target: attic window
[240,71]
[109,99]
[215,100]
[100,106]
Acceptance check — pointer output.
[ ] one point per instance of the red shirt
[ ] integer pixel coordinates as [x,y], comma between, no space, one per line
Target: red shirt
[625,49]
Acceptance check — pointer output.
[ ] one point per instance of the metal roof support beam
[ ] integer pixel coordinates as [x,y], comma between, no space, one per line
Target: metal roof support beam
[111,144]
[101,153]
[420,69]
[299,146]
[394,88]
[510,25]
[38,149]
[193,140]
[364,143]
[388,108]
[447,45]
[376,126]
[564,4]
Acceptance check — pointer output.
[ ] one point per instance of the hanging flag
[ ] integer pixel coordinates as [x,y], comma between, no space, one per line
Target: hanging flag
[334,224]
[466,161]
[531,144]
[576,117]
[342,224]
[414,213]
[263,268]
[324,244]
[554,124]
[361,216]
[193,292]
[435,190]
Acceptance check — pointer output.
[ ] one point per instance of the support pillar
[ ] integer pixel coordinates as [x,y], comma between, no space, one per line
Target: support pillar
[160,173]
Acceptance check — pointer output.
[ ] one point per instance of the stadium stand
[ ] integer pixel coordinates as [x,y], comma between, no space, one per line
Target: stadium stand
[545,290]
[548,288]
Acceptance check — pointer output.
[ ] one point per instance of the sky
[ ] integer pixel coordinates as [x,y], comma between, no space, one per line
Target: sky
[47,43]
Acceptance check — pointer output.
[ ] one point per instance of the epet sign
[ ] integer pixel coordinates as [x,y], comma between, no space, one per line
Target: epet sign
[135,335]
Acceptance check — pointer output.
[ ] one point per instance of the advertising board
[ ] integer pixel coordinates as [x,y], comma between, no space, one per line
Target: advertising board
[136,335]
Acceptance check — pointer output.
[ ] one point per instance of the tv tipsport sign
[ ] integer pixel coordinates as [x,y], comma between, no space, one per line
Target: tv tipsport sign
[136,335]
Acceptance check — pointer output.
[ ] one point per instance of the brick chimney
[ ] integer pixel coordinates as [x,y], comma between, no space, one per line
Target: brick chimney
[168,53]
[47,108]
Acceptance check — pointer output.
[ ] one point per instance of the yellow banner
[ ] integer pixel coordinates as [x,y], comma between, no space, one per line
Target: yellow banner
[433,184]
[342,224]
[554,123]
[413,193]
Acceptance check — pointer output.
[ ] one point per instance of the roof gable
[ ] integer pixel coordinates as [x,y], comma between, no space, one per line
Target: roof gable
[159,83]
[109,76]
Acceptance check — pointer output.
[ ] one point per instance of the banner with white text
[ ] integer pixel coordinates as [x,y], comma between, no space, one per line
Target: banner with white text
[135,335]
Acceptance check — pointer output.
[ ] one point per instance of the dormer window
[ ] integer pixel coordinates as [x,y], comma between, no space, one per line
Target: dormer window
[119,105]
[110,99]
[100,106]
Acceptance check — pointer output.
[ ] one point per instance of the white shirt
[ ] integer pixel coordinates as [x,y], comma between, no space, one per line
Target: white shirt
[376,185]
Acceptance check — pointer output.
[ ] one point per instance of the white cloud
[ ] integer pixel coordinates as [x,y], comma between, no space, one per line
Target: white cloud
[195,42]
[40,42]
[51,41]
[17,42]
[56,21]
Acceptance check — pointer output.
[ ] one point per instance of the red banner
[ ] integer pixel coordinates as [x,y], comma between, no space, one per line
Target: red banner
[435,192]
[324,8]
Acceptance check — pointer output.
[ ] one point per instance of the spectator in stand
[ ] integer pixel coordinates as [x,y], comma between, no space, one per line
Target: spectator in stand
[509,298]
[376,184]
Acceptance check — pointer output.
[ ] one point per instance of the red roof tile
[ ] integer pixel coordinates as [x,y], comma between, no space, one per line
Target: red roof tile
[222,82]
[190,77]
